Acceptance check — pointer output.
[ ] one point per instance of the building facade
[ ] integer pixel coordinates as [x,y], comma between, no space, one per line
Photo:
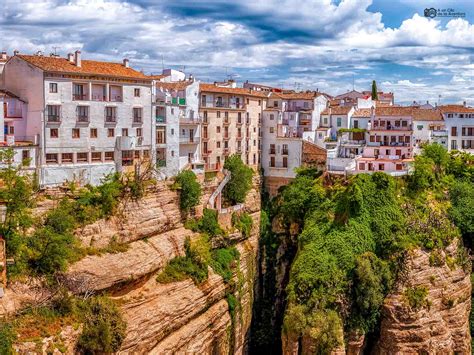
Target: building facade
[231,119]
[91,118]
[459,121]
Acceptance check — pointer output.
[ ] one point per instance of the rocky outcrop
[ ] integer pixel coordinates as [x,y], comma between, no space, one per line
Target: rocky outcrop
[143,257]
[441,325]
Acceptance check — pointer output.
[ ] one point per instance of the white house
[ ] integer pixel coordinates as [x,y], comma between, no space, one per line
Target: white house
[92,118]
[459,121]
[428,127]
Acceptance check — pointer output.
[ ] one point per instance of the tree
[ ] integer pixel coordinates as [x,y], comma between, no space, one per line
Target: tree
[375,95]
[190,190]
[439,155]
[240,181]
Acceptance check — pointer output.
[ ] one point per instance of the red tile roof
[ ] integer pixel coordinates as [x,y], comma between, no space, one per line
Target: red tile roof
[308,95]
[88,67]
[362,112]
[337,110]
[177,85]
[456,109]
[204,87]
[427,115]
[394,111]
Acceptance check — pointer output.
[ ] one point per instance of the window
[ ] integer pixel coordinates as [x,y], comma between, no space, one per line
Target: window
[82,157]
[124,132]
[226,114]
[66,158]
[146,154]
[136,92]
[53,88]
[53,113]
[218,113]
[454,131]
[82,113]
[78,92]
[136,154]
[110,132]
[272,129]
[53,133]
[259,102]
[127,157]
[305,104]
[399,167]
[272,148]
[339,121]
[76,133]
[109,156]
[218,145]
[362,166]
[11,130]
[51,158]
[381,167]
[285,162]
[285,149]
[93,132]
[218,129]
[419,127]
[404,123]
[96,156]
[139,132]
[356,124]
[137,115]
[205,116]
[272,116]
[110,114]
[272,162]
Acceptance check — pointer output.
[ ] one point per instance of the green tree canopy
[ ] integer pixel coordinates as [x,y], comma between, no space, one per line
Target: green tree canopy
[240,181]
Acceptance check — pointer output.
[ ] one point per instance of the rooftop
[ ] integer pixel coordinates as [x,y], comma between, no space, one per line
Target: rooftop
[337,110]
[394,111]
[362,112]
[427,115]
[176,85]
[456,109]
[91,67]
[308,95]
[205,87]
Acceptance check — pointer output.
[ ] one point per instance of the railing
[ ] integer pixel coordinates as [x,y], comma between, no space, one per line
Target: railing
[392,128]
[54,119]
[226,136]
[388,144]
[279,165]
[353,142]
[207,152]
[83,119]
[212,167]
[189,120]
[137,120]
[272,151]
[79,97]
[189,139]
[160,119]
[116,98]
[218,104]
[110,119]
[284,152]
[98,98]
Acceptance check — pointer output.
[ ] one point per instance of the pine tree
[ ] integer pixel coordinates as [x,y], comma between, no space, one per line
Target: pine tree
[374,91]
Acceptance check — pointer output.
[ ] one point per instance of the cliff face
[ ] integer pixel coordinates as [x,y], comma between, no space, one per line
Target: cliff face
[174,317]
[439,327]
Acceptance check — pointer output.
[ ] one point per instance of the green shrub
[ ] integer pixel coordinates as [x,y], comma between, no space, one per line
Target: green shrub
[104,328]
[7,338]
[243,222]
[240,181]
[224,261]
[233,303]
[209,223]
[416,297]
[190,190]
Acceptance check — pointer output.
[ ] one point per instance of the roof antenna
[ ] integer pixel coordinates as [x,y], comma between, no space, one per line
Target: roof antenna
[55,47]
[162,63]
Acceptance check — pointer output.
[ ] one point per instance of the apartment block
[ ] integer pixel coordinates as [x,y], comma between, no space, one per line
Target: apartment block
[89,118]
[231,121]
[389,141]
[290,119]
[459,121]
[178,126]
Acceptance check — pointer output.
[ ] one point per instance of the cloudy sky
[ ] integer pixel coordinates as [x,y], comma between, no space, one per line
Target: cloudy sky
[305,44]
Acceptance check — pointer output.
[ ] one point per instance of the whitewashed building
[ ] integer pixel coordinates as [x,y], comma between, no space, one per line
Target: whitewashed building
[91,118]
[459,121]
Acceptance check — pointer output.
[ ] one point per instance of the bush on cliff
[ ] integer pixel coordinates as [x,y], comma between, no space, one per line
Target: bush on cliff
[243,222]
[189,190]
[240,181]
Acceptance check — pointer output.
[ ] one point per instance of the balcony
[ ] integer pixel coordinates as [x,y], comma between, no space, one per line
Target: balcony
[53,119]
[79,97]
[240,137]
[207,152]
[239,149]
[239,122]
[226,151]
[272,151]
[82,120]
[226,136]
[160,119]
[116,98]
[223,104]
[189,139]
[352,142]
[226,121]
[284,152]
[279,165]
[205,138]
[390,127]
[190,121]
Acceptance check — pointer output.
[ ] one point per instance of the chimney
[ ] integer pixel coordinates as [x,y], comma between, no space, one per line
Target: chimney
[16,52]
[4,55]
[464,103]
[70,57]
[77,58]
[427,102]
[126,63]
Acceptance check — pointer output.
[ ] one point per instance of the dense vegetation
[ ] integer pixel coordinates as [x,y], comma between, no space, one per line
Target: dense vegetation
[352,236]
[189,190]
[240,181]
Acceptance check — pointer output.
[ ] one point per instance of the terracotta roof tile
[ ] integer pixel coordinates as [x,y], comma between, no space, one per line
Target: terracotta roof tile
[456,109]
[309,95]
[337,110]
[177,85]
[427,115]
[204,87]
[394,111]
[62,65]
[362,112]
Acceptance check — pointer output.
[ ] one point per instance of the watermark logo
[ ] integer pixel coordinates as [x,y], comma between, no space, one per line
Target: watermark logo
[432,13]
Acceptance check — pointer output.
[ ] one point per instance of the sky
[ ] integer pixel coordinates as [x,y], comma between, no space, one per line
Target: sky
[328,45]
